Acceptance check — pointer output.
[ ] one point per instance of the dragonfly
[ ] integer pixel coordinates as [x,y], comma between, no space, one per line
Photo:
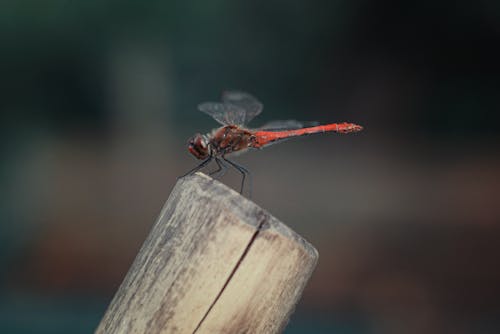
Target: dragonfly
[234,112]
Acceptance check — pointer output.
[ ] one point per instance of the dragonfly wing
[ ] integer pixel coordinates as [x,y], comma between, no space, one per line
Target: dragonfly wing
[245,101]
[290,124]
[224,113]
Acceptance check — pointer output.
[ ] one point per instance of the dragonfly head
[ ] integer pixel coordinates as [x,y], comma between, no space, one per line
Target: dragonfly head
[198,146]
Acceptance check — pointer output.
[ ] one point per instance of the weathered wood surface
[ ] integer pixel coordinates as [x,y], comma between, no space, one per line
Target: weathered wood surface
[214,262]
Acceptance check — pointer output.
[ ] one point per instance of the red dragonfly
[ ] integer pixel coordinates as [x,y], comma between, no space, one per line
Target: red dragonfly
[234,112]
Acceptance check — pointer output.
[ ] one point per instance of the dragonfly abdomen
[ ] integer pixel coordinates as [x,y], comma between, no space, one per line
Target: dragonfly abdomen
[263,138]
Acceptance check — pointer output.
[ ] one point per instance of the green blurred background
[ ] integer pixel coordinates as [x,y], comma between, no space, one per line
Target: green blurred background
[98,99]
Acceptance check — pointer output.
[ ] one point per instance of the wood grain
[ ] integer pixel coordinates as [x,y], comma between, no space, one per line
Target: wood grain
[214,262]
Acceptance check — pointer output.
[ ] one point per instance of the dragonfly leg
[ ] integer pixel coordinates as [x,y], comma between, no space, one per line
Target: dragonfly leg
[220,171]
[244,172]
[197,168]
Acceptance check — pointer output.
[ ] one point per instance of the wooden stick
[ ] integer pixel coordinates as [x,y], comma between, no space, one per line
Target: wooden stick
[214,262]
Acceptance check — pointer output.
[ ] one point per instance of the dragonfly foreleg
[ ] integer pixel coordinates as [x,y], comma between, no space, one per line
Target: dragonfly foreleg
[244,173]
[197,168]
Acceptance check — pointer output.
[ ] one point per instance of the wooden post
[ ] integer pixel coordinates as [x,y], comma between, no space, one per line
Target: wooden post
[214,262]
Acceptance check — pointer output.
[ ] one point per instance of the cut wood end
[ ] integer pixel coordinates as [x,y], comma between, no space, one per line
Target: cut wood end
[207,185]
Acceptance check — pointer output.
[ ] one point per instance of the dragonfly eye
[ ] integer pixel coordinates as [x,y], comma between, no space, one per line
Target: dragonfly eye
[197,146]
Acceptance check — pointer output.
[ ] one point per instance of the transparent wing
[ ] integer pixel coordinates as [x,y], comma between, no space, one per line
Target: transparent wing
[224,113]
[245,101]
[290,124]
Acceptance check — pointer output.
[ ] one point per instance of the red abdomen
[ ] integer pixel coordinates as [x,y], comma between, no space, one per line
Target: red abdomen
[263,138]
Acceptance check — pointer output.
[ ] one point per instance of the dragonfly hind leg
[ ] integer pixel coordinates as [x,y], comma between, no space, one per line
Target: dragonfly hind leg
[244,173]
[220,171]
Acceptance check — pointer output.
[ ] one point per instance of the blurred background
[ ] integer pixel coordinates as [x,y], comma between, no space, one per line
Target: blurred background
[98,99]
